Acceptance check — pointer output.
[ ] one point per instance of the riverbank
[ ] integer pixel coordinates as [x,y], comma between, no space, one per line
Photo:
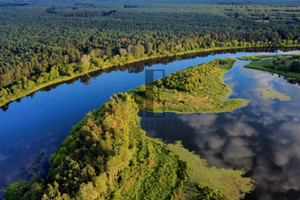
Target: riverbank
[285,65]
[7,97]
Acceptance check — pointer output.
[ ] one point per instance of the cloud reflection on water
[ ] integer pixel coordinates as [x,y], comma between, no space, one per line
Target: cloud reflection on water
[263,137]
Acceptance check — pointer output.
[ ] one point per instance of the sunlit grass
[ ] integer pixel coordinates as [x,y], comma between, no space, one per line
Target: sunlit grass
[230,182]
[211,96]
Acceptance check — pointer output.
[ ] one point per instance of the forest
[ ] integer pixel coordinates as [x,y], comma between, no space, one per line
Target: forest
[108,156]
[44,43]
[266,14]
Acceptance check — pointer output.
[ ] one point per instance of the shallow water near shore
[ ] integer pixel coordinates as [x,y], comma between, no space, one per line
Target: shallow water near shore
[262,138]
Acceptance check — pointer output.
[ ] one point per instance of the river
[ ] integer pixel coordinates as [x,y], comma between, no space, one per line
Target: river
[262,138]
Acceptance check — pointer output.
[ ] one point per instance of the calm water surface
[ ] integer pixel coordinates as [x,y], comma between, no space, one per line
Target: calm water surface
[263,137]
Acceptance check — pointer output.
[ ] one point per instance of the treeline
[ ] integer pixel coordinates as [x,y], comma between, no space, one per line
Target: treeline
[77,12]
[33,42]
[291,64]
[192,79]
[285,65]
[96,59]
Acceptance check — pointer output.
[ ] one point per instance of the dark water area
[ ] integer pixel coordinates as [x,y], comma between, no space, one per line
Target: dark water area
[262,138]
[33,127]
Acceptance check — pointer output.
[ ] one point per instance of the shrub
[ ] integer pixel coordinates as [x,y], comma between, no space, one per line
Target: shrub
[17,190]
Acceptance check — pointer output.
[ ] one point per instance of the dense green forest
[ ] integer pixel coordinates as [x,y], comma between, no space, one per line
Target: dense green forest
[196,89]
[286,65]
[266,14]
[108,156]
[42,43]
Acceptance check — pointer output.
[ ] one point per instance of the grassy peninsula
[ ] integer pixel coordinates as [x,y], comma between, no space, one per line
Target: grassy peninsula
[196,89]
[285,65]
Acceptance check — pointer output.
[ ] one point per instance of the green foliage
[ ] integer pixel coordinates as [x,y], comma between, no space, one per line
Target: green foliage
[23,190]
[220,183]
[53,74]
[16,190]
[196,89]
[138,51]
[286,65]
[207,193]
[85,63]
[192,79]
[256,58]
[100,183]
[264,13]
[88,192]
[295,66]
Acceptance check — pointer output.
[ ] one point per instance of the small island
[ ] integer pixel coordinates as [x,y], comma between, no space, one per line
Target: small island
[285,65]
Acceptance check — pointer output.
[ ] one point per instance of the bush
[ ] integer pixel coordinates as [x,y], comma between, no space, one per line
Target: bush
[295,66]
[17,190]
[206,193]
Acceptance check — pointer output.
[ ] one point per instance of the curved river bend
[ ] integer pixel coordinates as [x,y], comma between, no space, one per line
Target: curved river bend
[263,138]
